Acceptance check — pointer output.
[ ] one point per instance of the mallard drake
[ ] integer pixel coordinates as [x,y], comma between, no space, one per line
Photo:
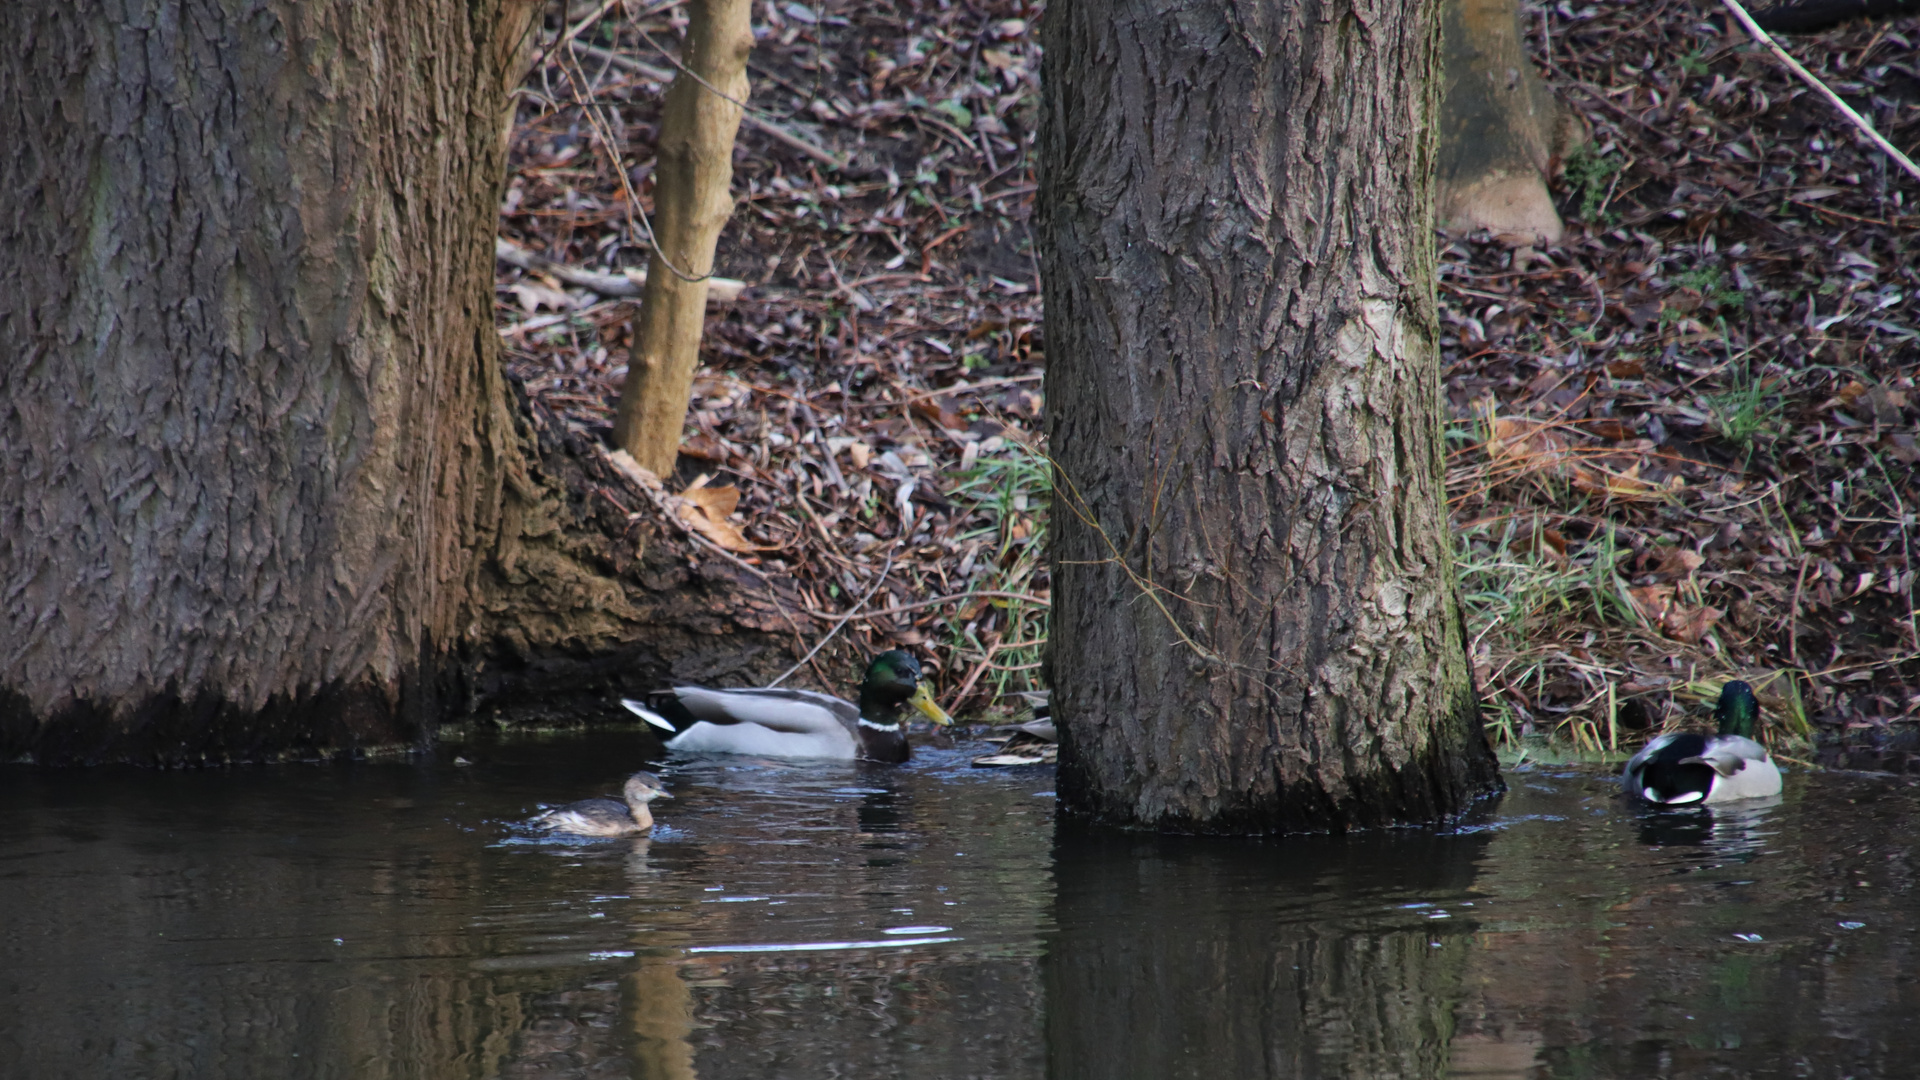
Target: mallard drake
[797,723]
[1678,769]
[608,817]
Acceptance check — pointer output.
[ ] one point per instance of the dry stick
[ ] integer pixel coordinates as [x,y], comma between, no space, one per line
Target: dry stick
[922,395]
[604,132]
[844,619]
[1808,77]
[753,119]
[1793,613]
[575,30]
[1039,601]
[691,205]
[719,290]
[542,322]
[1906,551]
[966,686]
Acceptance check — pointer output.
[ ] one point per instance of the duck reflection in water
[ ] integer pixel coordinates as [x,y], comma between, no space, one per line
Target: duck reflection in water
[1727,834]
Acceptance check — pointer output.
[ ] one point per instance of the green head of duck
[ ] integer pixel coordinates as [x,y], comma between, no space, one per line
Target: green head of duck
[894,679]
[1737,711]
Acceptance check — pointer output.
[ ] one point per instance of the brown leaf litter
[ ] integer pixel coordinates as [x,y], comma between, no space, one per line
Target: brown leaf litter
[1682,441]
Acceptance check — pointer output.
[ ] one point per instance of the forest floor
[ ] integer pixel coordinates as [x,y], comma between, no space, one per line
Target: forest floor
[1681,442]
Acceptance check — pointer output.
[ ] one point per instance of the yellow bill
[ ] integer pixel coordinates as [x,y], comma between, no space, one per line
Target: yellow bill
[922,699]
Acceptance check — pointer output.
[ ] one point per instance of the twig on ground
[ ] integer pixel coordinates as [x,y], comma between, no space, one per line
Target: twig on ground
[878,580]
[626,285]
[753,118]
[1039,601]
[1822,88]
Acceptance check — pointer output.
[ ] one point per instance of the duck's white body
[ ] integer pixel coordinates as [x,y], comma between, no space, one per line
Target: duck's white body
[769,723]
[773,722]
[1724,768]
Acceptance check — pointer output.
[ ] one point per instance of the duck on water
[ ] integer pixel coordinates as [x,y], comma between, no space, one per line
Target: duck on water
[1684,768]
[774,722]
[608,817]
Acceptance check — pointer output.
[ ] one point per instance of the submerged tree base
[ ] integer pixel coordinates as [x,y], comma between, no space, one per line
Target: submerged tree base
[596,596]
[1437,783]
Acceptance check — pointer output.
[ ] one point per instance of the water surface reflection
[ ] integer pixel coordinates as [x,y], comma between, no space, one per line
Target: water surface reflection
[929,921]
[1178,957]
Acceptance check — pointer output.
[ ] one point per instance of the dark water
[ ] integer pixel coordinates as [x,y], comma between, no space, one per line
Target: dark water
[379,920]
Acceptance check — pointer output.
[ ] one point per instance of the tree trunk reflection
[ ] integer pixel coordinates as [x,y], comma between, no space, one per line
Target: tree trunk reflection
[1180,957]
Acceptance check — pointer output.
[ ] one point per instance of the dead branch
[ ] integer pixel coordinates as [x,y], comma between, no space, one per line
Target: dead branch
[629,284]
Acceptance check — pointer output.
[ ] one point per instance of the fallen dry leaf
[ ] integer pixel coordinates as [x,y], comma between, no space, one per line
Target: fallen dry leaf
[1678,562]
[533,297]
[704,447]
[1652,601]
[1692,626]
[1660,606]
[932,411]
[706,509]
[1546,543]
[718,502]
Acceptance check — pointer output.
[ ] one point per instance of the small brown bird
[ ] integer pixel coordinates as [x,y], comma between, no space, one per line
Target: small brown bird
[608,817]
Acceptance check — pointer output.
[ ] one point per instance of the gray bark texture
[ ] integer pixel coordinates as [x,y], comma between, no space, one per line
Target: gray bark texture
[266,492]
[1255,620]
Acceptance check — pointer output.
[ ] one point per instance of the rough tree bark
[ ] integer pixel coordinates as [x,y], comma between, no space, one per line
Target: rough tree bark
[1255,625]
[1502,127]
[692,200]
[266,492]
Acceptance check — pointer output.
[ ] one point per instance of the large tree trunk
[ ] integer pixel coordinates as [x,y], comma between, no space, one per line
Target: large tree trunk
[1502,126]
[266,491]
[1255,625]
